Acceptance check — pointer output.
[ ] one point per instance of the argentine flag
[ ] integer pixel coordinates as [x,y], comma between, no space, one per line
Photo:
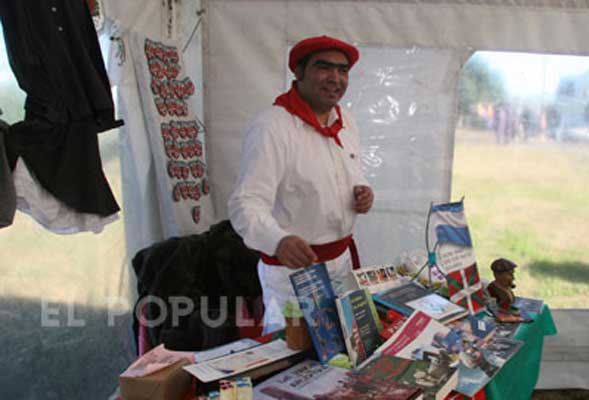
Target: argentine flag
[450,225]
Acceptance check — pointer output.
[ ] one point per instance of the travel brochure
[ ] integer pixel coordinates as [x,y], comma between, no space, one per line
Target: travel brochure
[243,361]
[360,324]
[317,302]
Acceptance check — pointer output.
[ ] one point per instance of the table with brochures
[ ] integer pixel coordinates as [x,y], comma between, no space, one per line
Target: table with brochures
[517,379]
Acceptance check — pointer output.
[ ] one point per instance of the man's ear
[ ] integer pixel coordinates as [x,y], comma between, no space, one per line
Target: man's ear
[299,72]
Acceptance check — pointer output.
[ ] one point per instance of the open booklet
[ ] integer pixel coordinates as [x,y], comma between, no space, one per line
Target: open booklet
[240,362]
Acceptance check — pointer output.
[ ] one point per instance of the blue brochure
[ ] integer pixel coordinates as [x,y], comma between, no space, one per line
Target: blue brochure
[317,301]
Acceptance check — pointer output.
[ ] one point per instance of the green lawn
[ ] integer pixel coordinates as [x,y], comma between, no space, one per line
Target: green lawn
[528,202]
[85,268]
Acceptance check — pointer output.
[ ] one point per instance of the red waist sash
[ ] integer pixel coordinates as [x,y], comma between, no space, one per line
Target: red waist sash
[325,252]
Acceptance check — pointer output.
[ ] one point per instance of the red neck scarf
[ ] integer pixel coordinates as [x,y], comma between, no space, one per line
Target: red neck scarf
[293,103]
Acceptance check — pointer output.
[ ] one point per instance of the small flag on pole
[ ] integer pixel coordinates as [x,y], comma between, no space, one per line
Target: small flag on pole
[450,224]
[456,255]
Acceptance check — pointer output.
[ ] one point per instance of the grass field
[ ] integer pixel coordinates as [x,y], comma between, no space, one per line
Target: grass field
[86,269]
[528,202]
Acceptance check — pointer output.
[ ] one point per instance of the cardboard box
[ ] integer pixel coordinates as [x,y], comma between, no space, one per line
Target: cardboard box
[170,383]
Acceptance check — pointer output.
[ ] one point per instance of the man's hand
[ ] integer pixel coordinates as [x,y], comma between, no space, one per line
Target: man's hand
[294,252]
[363,198]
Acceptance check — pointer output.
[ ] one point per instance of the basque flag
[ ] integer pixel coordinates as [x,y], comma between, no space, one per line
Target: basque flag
[466,289]
[450,224]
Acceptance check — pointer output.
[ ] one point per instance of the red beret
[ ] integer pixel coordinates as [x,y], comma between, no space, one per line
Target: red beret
[320,43]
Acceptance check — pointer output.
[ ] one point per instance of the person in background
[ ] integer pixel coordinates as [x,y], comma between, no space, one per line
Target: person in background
[301,184]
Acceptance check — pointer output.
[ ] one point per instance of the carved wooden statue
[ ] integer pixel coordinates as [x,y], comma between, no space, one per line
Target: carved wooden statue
[502,287]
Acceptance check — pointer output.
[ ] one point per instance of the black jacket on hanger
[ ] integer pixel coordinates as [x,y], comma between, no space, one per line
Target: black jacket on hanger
[54,53]
[203,267]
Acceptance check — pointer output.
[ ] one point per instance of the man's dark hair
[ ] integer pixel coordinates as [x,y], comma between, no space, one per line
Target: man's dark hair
[302,64]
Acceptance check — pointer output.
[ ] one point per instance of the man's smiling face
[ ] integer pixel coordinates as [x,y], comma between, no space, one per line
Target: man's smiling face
[324,81]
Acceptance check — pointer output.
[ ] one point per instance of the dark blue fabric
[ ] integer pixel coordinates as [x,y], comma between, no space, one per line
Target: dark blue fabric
[453,234]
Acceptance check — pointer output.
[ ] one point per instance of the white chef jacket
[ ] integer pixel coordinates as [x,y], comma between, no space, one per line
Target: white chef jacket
[294,181]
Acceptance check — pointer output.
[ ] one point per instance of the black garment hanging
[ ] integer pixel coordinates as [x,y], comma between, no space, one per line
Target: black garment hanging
[7,191]
[205,268]
[54,53]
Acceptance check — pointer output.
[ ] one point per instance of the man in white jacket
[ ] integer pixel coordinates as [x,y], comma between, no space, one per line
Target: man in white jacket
[301,183]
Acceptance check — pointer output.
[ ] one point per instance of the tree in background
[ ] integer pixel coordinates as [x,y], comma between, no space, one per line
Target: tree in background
[479,85]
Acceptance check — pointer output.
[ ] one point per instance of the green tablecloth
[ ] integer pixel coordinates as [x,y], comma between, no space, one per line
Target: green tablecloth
[517,379]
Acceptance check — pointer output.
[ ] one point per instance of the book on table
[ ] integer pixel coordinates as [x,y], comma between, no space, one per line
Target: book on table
[360,324]
[412,296]
[481,361]
[310,380]
[483,328]
[434,379]
[418,334]
[502,329]
[477,359]
[317,302]
[528,305]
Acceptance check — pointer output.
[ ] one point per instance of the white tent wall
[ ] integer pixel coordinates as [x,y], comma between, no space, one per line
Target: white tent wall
[245,50]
